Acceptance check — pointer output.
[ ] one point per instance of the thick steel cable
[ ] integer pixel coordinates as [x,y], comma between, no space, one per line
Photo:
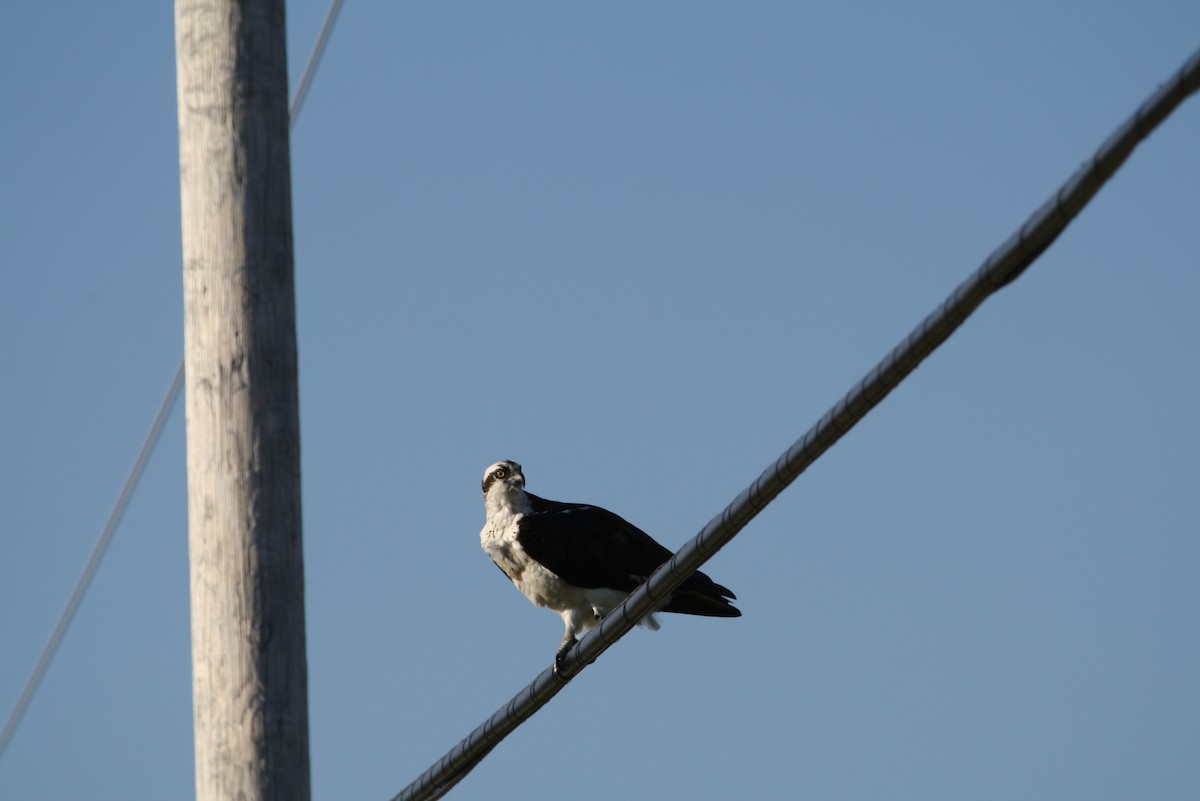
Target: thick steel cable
[143,457]
[1005,264]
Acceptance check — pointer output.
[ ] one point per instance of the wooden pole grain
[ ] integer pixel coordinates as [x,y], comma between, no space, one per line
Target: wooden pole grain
[243,433]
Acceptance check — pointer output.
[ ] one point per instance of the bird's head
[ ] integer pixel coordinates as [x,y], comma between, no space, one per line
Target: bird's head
[503,479]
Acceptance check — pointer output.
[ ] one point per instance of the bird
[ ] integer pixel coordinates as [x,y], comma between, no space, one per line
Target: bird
[578,560]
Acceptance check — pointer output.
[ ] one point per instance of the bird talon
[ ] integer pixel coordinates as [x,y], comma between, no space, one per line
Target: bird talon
[560,656]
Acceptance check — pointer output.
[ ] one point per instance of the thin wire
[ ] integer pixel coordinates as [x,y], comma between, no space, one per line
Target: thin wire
[314,58]
[1003,266]
[143,457]
[85,581]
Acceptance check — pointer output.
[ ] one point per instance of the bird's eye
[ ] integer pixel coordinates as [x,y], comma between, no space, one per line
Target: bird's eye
[501,473]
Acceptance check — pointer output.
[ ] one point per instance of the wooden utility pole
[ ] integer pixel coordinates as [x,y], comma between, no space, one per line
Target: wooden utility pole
[249,670]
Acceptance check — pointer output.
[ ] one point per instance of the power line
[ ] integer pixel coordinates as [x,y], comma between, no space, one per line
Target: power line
[314,58]
[1004,265]
[143,457]
[89,571]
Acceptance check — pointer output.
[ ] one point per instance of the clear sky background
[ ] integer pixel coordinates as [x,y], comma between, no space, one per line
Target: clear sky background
[640,248]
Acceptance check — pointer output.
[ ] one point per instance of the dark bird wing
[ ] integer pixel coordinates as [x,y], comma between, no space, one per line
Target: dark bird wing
[591,547]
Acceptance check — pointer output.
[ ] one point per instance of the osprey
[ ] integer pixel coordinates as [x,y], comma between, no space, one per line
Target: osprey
[580,561]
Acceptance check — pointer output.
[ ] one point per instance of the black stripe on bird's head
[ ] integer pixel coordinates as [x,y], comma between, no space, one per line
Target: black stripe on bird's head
[507,471]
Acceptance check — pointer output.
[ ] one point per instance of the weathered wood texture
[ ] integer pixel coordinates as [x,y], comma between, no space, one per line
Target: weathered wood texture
[243,433]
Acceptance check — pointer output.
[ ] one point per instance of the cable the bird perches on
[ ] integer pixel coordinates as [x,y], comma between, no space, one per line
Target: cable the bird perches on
[1004,265]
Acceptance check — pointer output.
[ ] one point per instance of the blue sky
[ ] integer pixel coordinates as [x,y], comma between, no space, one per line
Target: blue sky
[639,248]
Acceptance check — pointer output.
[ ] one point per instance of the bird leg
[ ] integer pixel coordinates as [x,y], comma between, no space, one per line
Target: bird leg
[574,622]
[563,650]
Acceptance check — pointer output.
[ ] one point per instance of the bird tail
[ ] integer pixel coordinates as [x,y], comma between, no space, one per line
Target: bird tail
[700,595]
[694,603]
